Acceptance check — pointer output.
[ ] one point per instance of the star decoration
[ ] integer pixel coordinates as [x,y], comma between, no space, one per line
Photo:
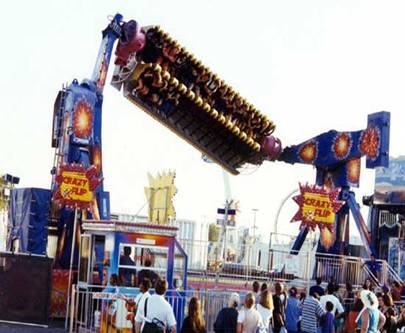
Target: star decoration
[308,152]
[317,206]
[342,144]
[83,119]
[370,142]
[75,186]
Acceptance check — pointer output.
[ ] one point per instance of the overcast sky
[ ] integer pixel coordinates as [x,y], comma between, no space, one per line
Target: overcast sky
[311,66]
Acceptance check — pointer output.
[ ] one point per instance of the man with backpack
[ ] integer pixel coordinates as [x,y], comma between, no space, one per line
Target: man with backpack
[155,313]
[133,304]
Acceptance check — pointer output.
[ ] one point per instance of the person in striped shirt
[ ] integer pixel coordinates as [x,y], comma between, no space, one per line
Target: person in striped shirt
[311,312]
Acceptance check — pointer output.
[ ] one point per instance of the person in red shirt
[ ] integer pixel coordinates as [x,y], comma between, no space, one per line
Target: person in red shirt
[396,292]
[351,325]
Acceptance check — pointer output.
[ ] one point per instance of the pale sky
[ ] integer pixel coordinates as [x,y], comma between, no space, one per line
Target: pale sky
[311,66]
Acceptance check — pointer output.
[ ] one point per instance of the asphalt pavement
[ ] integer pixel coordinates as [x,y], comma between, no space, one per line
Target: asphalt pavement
[54,327]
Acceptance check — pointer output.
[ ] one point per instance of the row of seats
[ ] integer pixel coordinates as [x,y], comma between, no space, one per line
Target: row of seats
[162,92]
[162,50]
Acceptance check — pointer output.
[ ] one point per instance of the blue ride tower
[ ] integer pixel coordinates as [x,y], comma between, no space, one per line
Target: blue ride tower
[77,138]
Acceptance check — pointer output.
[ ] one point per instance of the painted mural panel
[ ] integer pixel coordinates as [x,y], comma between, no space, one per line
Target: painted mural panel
[390,183]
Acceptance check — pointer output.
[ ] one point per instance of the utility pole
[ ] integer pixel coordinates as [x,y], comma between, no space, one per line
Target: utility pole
[225,224]
[255,210]
[252,248]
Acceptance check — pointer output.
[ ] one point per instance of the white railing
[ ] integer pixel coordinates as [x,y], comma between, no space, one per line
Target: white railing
[309,265]
[91,306]
[96,310]
[388,274]
[248,262]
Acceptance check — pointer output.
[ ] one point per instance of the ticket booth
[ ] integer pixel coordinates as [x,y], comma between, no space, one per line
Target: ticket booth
[129,250]
[151,248]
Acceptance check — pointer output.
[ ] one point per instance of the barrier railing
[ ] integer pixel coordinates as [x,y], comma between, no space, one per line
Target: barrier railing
[208,268]
[342,268]
[306,266]
[96,310]
[374,279]
[210,255]
[92,306]
[389,274]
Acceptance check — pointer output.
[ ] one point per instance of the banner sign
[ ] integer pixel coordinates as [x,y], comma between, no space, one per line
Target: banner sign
[230,222]
[317,206]
[76,186]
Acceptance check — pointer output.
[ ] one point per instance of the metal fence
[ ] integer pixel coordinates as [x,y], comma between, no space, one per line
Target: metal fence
[212,277]
[309,265]
[282,265]
[92,307]
[242,251]
[95,310]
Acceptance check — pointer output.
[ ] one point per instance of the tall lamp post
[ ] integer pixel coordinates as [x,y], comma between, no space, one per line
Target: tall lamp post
[253,239]
[255,210]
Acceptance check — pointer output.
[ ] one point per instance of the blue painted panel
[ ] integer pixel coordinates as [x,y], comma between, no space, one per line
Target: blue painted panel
[380,120]
[390,183]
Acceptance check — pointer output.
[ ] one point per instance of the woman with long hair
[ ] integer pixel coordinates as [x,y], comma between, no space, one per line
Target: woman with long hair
[265,308]
[388,303]
[194,322]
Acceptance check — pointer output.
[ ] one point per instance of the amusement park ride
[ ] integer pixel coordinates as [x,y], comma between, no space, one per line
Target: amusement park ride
[161,78]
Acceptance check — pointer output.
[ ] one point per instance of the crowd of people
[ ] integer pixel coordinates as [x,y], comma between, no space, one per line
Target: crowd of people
[152,313]
[273,309]
[323,310]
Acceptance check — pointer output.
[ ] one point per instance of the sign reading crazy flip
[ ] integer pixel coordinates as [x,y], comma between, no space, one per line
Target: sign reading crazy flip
[76,186]
[317,206]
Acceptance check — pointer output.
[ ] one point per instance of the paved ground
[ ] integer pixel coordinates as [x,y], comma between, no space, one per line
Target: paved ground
[56,327]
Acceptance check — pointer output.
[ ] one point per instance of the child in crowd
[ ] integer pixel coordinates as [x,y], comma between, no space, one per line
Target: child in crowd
[327,319]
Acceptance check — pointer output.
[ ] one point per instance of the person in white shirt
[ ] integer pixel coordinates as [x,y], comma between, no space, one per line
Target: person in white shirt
[329,297]
[248,318]
[265,308]
[133,304]
[144,286]
[156,308]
